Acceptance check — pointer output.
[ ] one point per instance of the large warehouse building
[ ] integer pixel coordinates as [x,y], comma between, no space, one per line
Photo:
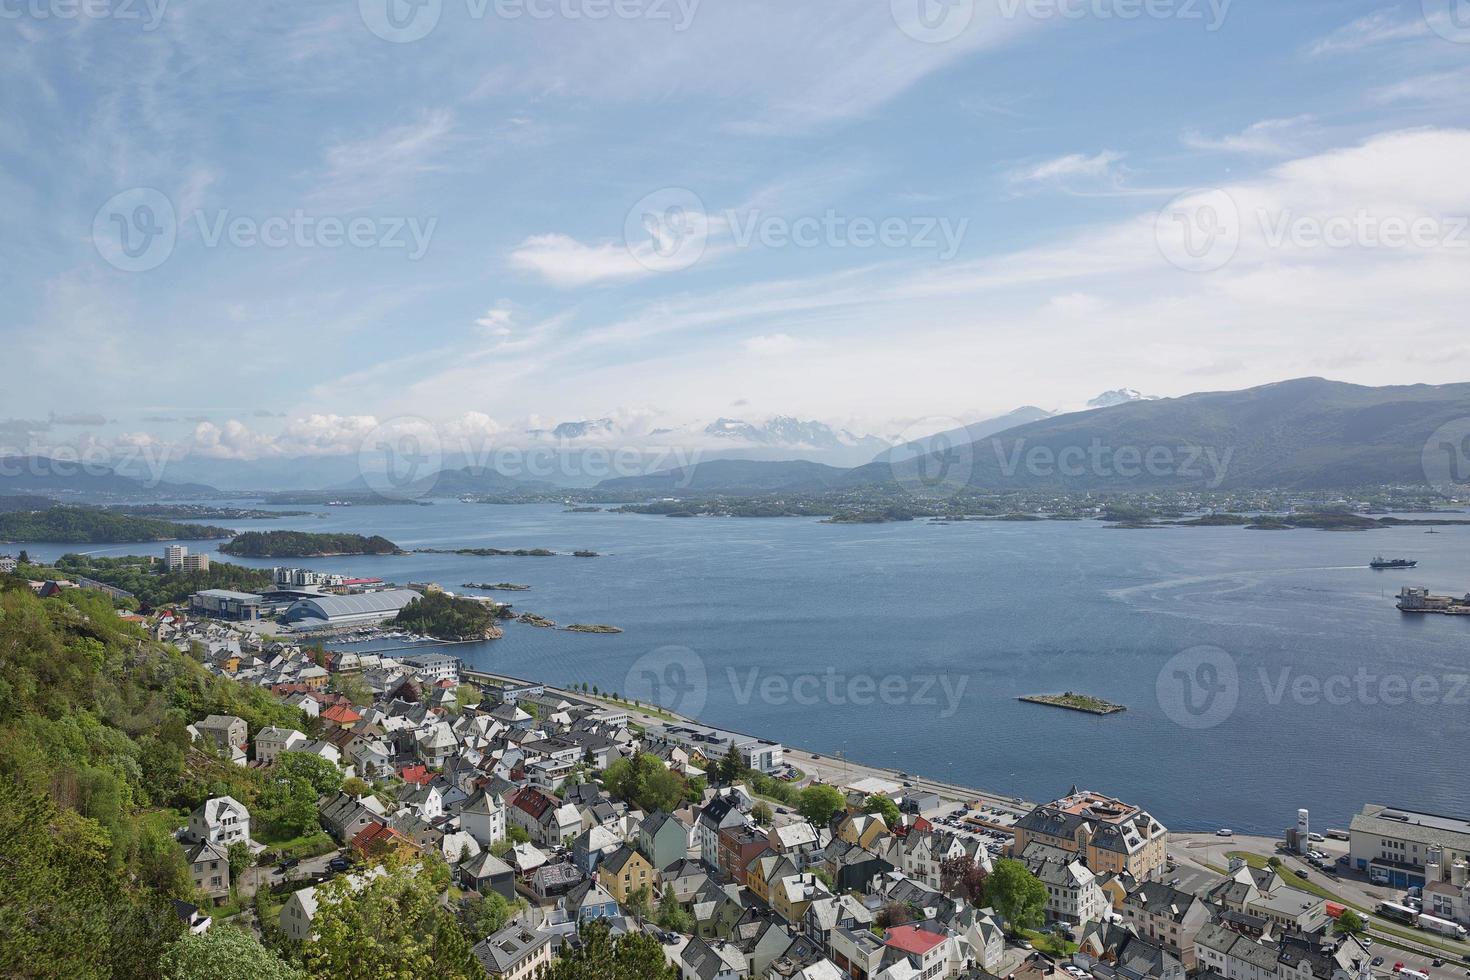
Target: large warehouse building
[337,611]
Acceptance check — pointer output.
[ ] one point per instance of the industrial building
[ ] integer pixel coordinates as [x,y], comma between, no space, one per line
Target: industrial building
[341,611]
[226,604]
[714,744]
[1394,845]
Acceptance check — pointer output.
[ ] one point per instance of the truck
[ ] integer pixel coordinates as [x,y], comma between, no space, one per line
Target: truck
[1432,923]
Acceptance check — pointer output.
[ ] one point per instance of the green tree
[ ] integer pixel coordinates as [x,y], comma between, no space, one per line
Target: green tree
[356,786]
[883,807]
[487,914]
[467,695]
[1017,894]
[634,956]
[761,813]
[640,903]
[672,915]
[224,953]
[240,859]
[392,927]
[354,688]
[820,802]
[516,834]
[323,776]
[1349,921]
[732,766]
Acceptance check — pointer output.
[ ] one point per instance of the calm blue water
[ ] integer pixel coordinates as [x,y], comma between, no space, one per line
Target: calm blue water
[1004,609]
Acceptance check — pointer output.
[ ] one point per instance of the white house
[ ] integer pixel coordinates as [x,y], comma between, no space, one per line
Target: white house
[483,818]
[271,742]
[222,820]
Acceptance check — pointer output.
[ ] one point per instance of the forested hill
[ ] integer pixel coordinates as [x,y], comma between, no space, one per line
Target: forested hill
[93,525]
[303,544]
[96,769]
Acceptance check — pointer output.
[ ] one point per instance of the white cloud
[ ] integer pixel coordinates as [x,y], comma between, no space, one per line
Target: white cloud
[776,345]
[496,321]
[312,435]
[563,261]
[1269,137]
[1380,27]
[369,168]
[1073,166]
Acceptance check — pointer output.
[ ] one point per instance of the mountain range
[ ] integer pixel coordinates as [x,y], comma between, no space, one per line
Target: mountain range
[1304,434]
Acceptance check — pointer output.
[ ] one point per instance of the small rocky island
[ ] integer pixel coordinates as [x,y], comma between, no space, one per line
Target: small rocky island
[496,587]
[452,618]
[1076,702]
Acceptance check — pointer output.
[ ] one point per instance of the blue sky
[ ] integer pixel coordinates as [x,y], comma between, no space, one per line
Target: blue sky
[511,185]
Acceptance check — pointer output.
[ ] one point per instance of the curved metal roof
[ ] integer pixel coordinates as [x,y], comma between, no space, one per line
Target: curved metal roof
[349,606]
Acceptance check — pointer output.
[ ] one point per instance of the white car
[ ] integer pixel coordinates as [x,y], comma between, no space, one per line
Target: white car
[1317,838]
[1224,832]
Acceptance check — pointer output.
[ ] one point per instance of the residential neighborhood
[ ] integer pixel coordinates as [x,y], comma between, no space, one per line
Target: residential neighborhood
[580,813]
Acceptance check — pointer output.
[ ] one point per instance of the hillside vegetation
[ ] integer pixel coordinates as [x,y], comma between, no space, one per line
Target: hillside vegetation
[447,617]
[94,526]
[152,586]
[96,770]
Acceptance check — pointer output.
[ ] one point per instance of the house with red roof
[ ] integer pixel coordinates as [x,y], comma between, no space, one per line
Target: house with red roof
[931,951]
[341,715]
[419,775]
[377,841]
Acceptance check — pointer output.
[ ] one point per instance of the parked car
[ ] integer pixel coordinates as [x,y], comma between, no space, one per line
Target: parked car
[1377,961]
[1301,873]
[288,864]
[1317,838]
[1224,832]
[338,864]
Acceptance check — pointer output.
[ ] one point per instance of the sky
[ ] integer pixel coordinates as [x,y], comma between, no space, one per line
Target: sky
[267,229]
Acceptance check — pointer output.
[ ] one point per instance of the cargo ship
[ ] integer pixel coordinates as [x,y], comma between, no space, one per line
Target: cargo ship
[1382,562]
[1416,600]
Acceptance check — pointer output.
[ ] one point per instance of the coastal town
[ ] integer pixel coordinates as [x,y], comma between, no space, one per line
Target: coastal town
[567,818]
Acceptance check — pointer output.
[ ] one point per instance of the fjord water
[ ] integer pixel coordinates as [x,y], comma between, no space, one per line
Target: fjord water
[1005,609]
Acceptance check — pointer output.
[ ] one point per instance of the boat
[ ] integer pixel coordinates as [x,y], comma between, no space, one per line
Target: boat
[1382,562]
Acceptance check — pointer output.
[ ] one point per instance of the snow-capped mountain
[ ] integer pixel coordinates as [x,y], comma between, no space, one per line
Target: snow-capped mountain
[788,432]
[1120,396]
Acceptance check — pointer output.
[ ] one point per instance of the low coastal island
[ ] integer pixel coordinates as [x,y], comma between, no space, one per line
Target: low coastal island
[496,587]
[593,628]
[1075,702]
[301,544]
[488,552]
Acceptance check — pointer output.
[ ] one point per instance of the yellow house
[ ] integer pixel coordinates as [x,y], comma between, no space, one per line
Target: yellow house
[792,895]
[625,871]
[862,829]
[763,871]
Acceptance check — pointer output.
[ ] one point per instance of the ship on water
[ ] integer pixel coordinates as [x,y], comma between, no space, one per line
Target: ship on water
[1382,562]
[1415,600]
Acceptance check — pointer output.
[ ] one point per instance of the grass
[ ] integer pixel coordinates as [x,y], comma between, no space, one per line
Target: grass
[1049,943]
